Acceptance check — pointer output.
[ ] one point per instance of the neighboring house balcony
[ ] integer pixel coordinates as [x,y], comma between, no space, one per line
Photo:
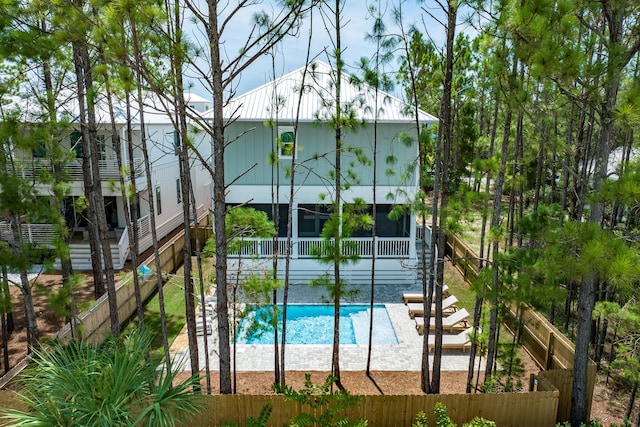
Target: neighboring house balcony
[44,234]
[108,168]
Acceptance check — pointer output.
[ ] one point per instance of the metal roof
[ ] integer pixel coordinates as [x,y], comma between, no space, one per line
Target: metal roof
[318,99]
[156,111]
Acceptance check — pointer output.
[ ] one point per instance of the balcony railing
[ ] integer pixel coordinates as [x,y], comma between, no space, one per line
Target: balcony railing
[385,247]
[108,168]
[43,234]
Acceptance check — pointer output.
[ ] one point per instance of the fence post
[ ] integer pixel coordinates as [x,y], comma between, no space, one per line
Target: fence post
[532,379]
[173,256]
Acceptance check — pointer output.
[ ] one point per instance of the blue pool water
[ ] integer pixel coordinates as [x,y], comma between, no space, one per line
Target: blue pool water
[313,324]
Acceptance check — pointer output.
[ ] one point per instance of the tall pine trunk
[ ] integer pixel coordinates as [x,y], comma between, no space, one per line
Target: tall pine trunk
[219,201]
[93,185]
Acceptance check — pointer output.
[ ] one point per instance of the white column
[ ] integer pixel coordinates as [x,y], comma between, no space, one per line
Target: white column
[412,237]
[294,231]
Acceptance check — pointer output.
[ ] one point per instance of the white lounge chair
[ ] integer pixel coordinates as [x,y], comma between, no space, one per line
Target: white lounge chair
[408,297]
[453,322]
[200,326]
[208,310]
[448,306]
[453,342]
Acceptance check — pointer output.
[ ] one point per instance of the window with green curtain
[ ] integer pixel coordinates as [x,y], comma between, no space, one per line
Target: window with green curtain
[285,142]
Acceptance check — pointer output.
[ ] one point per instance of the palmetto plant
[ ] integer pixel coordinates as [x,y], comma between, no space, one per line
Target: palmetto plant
[81,384]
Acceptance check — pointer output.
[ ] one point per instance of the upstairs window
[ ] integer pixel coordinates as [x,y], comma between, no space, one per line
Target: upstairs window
[76,143]
[285,142]
[158,201]
[106,149]
[176,143]
[39,151]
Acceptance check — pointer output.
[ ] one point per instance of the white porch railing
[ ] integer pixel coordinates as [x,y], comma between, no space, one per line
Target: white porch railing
[108,168]
[386,247]
[420,231]
[144,226]
[43,234]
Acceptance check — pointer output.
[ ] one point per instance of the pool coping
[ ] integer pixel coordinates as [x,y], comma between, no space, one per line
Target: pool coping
[404,356]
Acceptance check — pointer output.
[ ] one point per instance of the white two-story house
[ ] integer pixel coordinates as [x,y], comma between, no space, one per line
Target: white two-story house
[263,120]
[165,177]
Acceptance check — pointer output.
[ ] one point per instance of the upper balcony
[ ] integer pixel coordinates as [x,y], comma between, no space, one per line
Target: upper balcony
[29,168]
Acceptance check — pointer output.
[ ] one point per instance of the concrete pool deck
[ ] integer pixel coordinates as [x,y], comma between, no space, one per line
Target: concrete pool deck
[404,356]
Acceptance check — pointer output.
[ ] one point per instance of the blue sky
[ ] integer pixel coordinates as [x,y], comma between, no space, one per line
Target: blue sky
[292,52]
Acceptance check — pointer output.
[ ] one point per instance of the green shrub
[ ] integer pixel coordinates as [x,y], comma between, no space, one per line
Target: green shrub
[421,420]
[480,422]
[319,395]
[443,420]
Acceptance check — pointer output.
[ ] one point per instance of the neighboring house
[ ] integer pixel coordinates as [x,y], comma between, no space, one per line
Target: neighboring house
[165,173]
[252,183]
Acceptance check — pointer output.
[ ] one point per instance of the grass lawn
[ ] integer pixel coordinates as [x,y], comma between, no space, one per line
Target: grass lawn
[174,308]
[459,288]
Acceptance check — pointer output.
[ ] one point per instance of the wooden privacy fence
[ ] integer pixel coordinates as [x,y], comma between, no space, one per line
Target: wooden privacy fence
[506,409]
[464,258]
[95,324]
[95,321]
[551,350]
[562,380]
[536,409]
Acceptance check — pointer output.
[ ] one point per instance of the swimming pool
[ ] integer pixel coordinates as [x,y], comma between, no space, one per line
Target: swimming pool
[313,324]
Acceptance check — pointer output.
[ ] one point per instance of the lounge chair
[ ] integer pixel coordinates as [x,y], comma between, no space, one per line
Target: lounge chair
[408,297]
[452,323]
[200,326]
[208,310]
[453,342]
[448,306]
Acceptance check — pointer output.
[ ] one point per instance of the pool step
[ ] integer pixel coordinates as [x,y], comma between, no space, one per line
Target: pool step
[383,332]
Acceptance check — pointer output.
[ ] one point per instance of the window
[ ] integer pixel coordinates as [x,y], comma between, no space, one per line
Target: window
[40,150]
[106,147]
[102,147]
[311,219]
[158,201]
[111,212]
[386,226]
[176,142]
[76,143]
[178,191]
[283,210]
[285,142]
